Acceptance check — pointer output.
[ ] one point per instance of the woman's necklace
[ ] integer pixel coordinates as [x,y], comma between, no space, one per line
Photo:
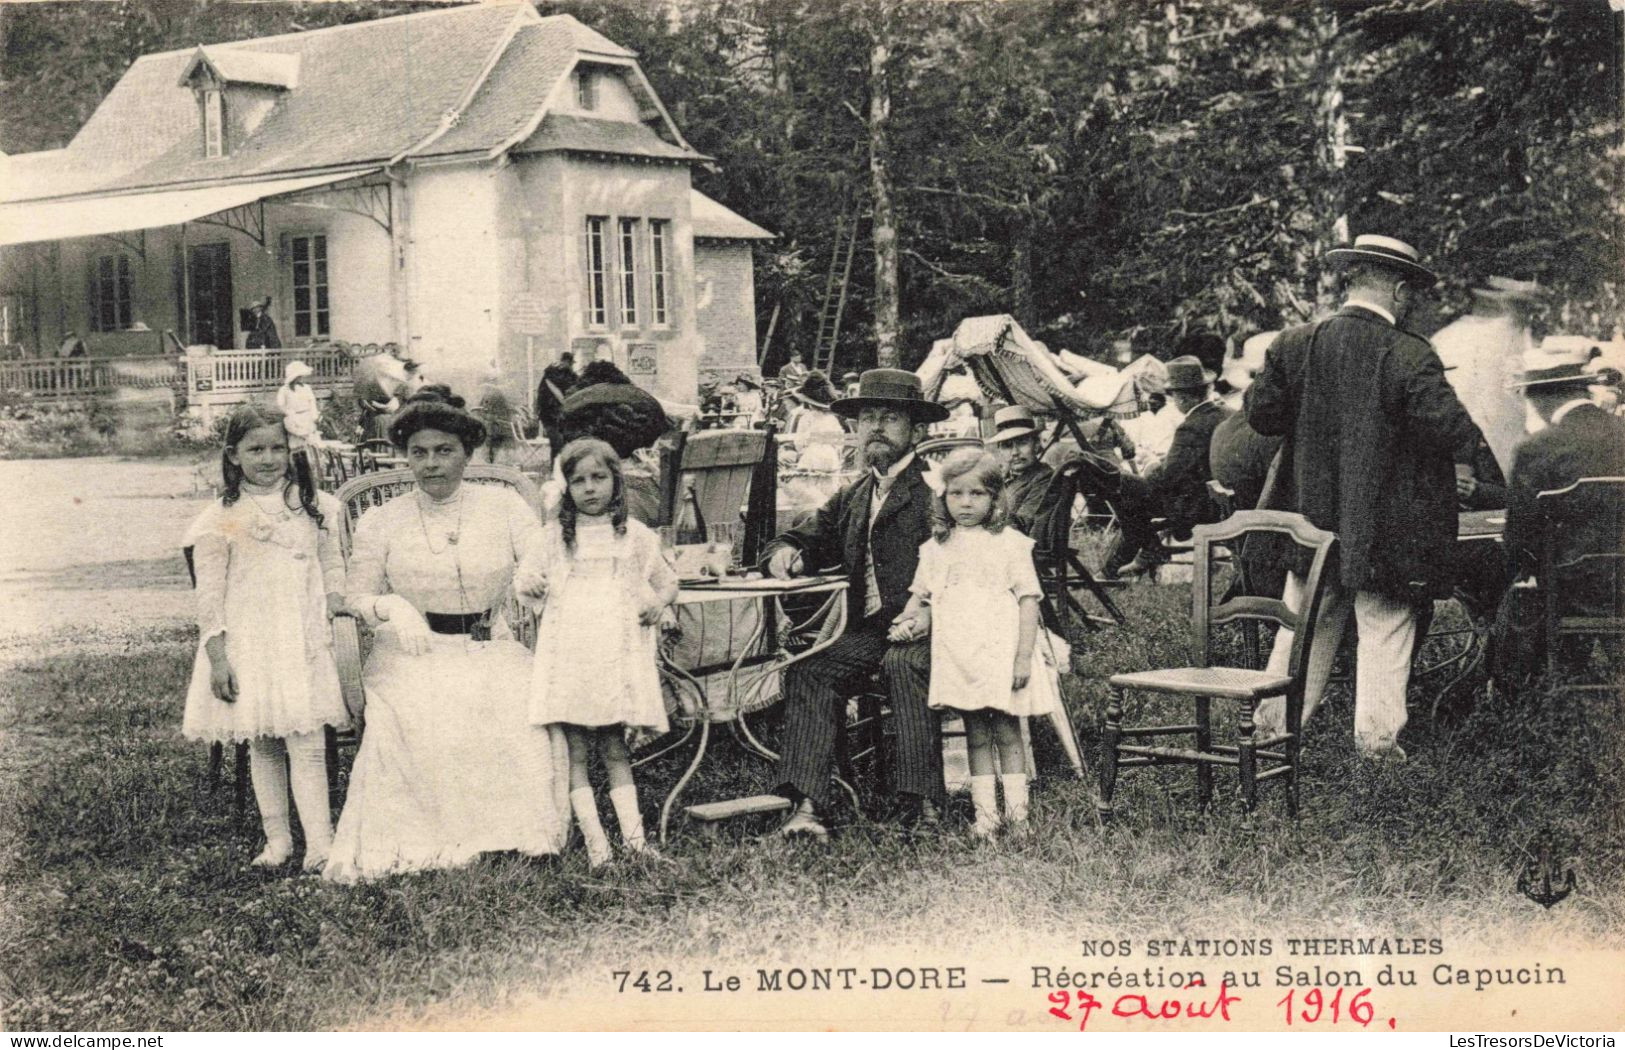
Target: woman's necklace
[451,535]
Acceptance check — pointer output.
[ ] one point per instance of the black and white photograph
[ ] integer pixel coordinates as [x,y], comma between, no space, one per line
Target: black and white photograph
[1092,516]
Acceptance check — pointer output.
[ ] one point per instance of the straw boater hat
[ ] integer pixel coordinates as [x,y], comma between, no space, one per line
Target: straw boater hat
[1187,373]
[1013,422]
[259,304]
[1560,361]
[891,388]
[1387,252]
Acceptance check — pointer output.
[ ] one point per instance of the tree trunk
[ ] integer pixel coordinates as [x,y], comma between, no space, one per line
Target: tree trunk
[1331,154]
[1022,306]
[886,313]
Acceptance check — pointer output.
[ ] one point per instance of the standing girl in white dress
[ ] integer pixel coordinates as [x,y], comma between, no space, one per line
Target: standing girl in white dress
[604,583]
[976,593]
[269,578]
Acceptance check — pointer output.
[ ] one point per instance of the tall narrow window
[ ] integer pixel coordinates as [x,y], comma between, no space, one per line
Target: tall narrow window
[629,272]
[659,268]
[214,124]
[597,273]
[312,309]
[110,293]
[586,90]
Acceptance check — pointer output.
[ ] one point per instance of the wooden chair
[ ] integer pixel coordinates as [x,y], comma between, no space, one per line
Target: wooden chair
[1205,680]
[1060,571]
[729,476]
[1599,503]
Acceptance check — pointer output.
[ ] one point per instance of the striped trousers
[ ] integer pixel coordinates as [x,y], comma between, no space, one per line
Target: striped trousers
[815,695]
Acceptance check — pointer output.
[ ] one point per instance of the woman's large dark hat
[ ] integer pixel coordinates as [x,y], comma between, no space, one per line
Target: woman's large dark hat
[815,390]
[891,388]
[433,410]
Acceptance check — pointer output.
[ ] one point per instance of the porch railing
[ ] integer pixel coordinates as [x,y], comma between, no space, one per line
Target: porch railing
[77,377]
[227,371]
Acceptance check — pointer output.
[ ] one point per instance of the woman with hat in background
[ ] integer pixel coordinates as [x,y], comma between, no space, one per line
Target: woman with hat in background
[261,329]
[815,431]
[449,766]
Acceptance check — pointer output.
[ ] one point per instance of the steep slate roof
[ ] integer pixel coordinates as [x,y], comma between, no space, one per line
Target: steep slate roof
[715,221]
[560,132]
[367,93]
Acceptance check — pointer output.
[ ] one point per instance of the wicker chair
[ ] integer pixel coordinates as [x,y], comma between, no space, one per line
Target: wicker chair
[359,496]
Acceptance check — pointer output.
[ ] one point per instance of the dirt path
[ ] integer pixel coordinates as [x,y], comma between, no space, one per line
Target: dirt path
[92,546]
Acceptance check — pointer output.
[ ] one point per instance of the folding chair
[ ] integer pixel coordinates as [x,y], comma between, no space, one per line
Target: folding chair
[1060,570]
[1206,680]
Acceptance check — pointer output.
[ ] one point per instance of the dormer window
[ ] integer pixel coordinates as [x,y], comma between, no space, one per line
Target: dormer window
[586,90]
[214,123]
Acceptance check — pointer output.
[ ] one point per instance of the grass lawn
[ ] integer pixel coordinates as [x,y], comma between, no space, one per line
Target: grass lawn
[127,904]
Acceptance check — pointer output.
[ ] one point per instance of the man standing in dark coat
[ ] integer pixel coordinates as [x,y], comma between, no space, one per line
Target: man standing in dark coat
[871,531]
[1372,431]
[262,334]
[1581,440]
[558,379]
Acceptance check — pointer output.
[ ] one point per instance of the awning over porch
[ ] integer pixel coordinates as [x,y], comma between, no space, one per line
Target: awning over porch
[23,222]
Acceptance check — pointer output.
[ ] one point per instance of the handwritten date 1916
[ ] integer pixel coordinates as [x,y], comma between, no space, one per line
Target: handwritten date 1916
[1309,1008]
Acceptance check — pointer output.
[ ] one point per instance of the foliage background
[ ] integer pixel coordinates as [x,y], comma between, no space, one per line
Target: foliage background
[1103,170]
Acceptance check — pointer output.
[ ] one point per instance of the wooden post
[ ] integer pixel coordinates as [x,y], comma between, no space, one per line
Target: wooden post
[530,366]
[186,290]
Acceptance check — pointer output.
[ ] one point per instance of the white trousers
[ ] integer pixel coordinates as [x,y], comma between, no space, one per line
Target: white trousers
[1386,633]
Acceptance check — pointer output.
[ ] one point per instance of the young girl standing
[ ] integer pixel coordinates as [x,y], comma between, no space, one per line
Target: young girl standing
[269,577]
[976,593]
[604,583]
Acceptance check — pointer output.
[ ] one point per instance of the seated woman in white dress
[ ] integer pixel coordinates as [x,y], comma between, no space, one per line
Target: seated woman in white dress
[449,765]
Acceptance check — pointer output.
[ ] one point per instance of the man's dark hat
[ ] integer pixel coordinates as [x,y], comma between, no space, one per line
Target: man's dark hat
[1387,252]
[891,388]
[1187,373]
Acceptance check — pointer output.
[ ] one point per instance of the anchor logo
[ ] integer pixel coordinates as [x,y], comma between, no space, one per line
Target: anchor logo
[1542,879]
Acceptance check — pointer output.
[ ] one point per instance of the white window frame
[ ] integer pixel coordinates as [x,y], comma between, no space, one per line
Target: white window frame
[214,122]
[660,273]
[116,288]
[314,310]
[626,240]
[595,271]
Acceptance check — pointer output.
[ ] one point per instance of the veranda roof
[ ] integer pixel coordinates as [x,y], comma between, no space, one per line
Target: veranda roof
[24,222]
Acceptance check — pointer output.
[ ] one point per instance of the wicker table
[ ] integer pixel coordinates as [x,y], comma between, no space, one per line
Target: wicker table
[726,690]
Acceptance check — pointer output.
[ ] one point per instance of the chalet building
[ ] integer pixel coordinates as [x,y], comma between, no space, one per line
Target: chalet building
[484,187]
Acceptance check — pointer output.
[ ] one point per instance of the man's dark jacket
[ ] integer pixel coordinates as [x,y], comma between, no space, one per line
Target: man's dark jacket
[1586,443]
[1178,485]
[838,535]
[1372,431]
[1028,496]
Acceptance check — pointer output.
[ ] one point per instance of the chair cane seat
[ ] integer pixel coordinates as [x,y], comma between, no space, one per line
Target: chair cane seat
[1231,683]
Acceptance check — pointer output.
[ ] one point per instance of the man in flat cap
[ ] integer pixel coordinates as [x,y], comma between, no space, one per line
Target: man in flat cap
[871,531]
[1372,430]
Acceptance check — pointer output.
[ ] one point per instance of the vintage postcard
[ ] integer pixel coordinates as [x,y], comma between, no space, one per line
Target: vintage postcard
[1043,515]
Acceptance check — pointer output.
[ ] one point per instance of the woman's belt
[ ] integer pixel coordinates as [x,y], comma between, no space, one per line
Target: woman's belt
[455,623]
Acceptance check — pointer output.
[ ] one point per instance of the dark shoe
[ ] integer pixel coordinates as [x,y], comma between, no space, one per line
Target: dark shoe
[804,822]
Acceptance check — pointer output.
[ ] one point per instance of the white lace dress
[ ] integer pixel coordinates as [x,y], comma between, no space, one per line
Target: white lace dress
[263,573]
[975,583]
[595,664]
[449,765]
